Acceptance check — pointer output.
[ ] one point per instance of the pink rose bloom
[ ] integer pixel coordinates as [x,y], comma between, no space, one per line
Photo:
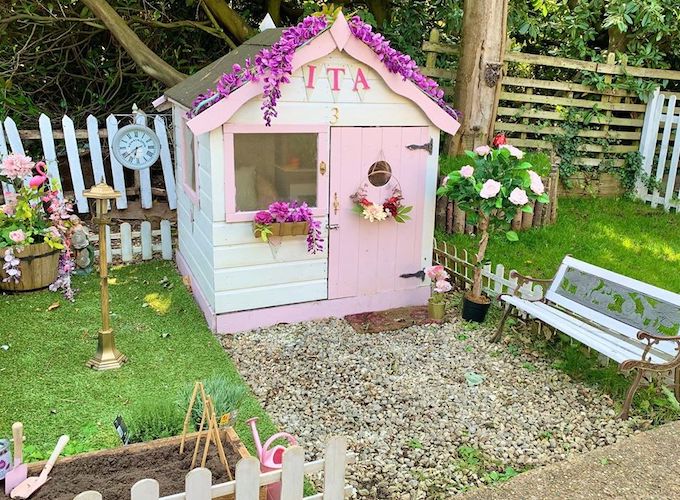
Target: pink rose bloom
[17,236]
[467,171]
[442,286]
[518,197]
[7,209]
[482,150]
[16,166]
[517,153]
[490,189]
[433,271]
[536,183]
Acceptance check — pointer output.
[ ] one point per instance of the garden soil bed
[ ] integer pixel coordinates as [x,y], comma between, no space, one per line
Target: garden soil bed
[113,472]
[390,320]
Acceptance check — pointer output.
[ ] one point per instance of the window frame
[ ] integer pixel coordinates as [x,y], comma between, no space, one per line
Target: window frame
[323,143]
[191,192]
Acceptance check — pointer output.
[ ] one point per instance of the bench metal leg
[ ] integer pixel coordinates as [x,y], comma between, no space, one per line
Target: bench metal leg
[499,332]
[629,396]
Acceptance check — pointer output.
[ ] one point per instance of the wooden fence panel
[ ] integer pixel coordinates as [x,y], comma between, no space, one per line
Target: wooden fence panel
[116,167]
[146,489]
[47,139]
[248,479]
[144,174]
[74,163]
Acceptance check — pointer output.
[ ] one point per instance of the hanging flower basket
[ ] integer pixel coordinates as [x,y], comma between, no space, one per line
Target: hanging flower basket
[39,267]
[284,218]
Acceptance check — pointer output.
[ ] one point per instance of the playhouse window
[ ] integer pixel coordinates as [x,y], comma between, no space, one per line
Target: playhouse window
[189,160]
[274,167]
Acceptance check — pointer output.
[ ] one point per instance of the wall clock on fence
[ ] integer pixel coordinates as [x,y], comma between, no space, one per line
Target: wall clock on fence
[136,146]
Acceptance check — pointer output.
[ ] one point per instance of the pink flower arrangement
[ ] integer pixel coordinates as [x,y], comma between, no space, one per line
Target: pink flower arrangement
[33,214]
[536,183]
[281,212]
[16,166]
[440,282]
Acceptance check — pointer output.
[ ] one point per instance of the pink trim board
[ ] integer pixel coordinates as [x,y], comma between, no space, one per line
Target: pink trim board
[295,313]
[338,37]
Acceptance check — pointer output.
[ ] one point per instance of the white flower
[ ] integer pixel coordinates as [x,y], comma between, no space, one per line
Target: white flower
[517,153]
[536,183]
[518,197]
[375,212]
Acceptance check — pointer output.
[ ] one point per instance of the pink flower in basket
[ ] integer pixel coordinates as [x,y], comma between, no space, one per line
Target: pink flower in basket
[17,236]
[16,166]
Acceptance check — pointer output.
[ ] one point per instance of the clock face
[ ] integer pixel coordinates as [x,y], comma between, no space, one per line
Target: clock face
[136,146]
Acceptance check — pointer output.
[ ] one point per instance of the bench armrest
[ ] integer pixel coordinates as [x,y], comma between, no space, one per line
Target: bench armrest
[521,280]
[642,335]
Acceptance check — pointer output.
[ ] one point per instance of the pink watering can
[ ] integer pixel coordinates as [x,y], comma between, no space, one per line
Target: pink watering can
[270,459]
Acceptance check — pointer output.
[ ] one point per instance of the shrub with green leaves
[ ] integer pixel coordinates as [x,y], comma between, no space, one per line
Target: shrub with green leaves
[226,397]
[154,419]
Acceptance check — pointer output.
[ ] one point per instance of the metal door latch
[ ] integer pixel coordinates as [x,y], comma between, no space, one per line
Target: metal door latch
[420,274]
[332,226]
[427,146]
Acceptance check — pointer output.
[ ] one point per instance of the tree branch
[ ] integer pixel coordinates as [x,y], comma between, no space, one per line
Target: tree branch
[147,60]
[274,9]
[230,19]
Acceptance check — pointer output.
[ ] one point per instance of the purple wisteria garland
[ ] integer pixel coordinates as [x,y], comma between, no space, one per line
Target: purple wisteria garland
[274,66]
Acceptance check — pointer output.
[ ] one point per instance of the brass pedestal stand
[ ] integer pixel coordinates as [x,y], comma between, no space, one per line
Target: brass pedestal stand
[107,356]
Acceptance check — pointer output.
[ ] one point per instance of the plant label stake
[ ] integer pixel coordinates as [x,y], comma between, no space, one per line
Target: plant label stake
[107,356]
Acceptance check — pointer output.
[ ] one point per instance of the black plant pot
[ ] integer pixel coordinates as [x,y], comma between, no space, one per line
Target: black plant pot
[473,311]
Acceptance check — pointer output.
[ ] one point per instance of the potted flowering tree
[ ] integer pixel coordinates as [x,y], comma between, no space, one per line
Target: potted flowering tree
[490,188]
[35,225]
[436,306]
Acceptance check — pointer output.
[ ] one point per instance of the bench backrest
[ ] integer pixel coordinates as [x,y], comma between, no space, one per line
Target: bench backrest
[615,301]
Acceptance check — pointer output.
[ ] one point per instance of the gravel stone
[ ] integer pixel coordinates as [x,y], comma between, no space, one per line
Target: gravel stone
[403,401]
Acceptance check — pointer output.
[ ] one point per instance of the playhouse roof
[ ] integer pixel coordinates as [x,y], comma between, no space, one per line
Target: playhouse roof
[337,37]
[186,91]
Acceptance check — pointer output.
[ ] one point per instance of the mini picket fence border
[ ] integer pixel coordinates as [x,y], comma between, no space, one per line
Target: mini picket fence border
[126,248]
[494,281]
[249,479]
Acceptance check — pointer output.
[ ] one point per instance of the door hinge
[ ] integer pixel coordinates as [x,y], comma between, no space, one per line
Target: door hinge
[427,146]
[420,274]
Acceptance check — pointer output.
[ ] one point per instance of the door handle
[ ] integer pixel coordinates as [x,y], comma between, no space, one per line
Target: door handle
[332,226]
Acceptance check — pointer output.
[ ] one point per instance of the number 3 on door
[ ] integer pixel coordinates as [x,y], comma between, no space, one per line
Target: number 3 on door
[335,115]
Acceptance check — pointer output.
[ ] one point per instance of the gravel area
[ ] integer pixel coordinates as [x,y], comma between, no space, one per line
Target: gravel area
[431,410]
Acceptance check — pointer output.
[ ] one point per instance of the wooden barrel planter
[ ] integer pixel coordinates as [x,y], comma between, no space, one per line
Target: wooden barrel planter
[39,268]
[113,472]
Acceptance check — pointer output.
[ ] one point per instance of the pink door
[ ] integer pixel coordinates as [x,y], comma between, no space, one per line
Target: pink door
[365,257]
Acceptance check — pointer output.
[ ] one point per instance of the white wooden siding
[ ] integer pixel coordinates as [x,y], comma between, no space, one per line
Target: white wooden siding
[430,199]
[270,295]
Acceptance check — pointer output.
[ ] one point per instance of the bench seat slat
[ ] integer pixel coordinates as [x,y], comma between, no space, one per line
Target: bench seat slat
[615,346]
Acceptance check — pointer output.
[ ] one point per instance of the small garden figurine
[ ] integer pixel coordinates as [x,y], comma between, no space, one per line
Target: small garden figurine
[492,185]
[440,285]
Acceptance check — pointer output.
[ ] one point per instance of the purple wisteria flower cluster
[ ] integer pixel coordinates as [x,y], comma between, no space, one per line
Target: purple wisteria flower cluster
[282,211]
[11,267]
[274,66]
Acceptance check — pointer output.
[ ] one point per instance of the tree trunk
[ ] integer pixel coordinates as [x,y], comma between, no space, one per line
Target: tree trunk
[274,9]
[476,93]
[617,40]
[147,60]
[380,10]
[483,228]
[230,19]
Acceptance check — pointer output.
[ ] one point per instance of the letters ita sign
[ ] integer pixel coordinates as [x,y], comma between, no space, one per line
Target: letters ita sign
[337,76]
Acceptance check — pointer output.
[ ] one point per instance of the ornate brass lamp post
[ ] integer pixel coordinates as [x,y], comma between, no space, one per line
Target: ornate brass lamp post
[107,356]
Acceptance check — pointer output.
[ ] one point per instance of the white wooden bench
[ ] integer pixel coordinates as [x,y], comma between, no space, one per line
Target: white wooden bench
[631,322]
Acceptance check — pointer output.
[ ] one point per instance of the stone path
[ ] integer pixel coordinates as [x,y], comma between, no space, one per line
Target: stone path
[644,466]
[431,410]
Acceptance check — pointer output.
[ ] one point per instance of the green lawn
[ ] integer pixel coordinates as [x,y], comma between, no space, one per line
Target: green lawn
[46,385]
[624,236]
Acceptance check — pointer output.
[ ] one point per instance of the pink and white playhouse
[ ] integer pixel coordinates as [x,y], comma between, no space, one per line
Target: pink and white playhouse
[328,210]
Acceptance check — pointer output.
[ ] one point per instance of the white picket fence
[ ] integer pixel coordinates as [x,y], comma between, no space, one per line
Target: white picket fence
[249,479]
[661,115]
[494,280]
[130,244]
[11,141]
